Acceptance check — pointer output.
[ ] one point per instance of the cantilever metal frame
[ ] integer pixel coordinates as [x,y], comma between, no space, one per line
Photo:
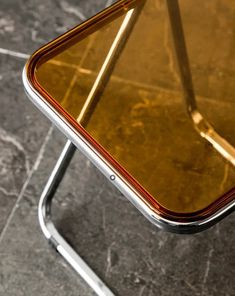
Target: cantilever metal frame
[200,123]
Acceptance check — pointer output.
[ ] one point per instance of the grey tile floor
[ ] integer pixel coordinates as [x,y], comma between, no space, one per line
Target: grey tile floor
[130,254]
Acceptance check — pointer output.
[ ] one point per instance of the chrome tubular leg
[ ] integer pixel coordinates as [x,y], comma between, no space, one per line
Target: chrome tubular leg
[109,63]
[44,209]
[51,233]
[201,124]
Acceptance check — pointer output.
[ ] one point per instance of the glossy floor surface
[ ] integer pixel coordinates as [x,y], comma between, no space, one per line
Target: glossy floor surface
[130,254]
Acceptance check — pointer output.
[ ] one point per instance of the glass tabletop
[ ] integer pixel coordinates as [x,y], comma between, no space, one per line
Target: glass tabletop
[140,116]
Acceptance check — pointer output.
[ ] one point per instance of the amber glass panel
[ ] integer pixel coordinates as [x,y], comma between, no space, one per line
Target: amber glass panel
[140,117]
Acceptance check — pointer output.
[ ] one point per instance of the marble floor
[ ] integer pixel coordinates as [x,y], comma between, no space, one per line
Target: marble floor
[126,251]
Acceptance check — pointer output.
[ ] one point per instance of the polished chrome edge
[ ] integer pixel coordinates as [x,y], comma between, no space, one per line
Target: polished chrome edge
[113,175]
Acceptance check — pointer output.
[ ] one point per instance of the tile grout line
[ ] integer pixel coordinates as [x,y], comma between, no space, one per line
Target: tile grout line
[83,70]
[14,53]
[80,69]
[76,73]
[26,56]
[41,151]
[21,194]
[91,72]
[40,154]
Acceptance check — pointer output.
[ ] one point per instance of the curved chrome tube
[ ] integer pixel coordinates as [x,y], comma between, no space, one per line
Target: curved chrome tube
[50,231]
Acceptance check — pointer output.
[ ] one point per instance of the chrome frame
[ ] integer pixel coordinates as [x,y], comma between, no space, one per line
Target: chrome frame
[202,126]
[76,141]
[52,234]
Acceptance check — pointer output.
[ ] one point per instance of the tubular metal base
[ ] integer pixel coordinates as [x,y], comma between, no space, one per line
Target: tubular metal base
[52,234]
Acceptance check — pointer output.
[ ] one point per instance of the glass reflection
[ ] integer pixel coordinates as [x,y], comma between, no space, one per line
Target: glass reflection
[139,116]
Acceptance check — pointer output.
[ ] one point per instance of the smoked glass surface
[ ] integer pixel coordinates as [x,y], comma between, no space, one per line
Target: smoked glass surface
[140,116]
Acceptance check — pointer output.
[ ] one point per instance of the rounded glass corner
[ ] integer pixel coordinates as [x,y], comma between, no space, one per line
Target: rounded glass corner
[56,74]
